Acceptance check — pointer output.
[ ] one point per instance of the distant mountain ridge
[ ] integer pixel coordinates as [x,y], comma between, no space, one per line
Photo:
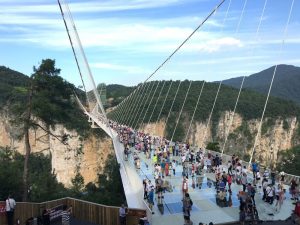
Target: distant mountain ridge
[10,80]
[286,83]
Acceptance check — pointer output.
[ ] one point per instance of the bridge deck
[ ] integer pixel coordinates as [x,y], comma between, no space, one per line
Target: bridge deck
[205,209]
[132,185]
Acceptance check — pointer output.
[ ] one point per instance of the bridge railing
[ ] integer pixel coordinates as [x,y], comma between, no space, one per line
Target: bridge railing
[81,210]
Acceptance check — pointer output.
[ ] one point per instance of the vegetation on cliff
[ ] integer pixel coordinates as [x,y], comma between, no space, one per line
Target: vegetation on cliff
[290,161]
[44,185]
[116,93]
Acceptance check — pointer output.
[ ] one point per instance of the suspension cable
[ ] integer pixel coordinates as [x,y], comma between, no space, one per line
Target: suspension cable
[163,105]
[216,97]
[72,46]
[212,110]
[133,110]
[271,84]
[187,92]
[203,83]
[150,102]
[157,101]
[172,105]
[242,83]
[96,94]
[120,112]
[133,103]
[179,47]
[125,110]
[144,104]
[139,104]
[195,108]
[241,17]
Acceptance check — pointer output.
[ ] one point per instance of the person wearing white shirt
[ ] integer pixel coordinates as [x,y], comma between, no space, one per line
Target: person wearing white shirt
[244,170]
[10,205]
[270,194]
[174,167]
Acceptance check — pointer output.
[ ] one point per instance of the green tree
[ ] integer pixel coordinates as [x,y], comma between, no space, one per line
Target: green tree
[48,101]
[78,183]
[109,188]
[214,146]
[43,185]
[289,160]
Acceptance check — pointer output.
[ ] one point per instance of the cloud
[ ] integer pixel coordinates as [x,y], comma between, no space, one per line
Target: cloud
[117,67]
[134,36]
[86,6]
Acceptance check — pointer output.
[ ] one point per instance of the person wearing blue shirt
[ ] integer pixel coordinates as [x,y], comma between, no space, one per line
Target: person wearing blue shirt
[254,168]
[151,198]
[122,215]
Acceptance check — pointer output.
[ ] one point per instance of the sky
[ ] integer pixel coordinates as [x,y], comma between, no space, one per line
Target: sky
[126,40]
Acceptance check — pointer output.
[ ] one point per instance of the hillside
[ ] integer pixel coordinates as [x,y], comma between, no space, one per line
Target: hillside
[115,93]
[286,83]
[10,81]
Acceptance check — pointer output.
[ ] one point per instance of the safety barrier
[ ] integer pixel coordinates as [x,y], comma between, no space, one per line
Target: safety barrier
[81,210]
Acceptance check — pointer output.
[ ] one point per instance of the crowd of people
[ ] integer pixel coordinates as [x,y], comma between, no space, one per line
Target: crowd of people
[165,158]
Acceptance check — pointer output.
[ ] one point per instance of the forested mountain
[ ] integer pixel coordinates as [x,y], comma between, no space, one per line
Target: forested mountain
[250,105]
[115,93]
[286,83]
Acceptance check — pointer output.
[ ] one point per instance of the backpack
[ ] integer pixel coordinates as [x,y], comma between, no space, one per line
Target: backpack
[191,202]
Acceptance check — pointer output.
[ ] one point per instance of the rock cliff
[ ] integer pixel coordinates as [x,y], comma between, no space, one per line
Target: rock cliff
[276,135]
[88,155]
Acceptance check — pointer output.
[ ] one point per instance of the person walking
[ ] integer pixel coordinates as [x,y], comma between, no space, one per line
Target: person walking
[187,207]
[151,198]
[185,188]
[10,208]
[174,167]
[280,197]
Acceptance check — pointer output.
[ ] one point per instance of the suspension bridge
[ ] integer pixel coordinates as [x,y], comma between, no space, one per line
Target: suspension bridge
[137,110]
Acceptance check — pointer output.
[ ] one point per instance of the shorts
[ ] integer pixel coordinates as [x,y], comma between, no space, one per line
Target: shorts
[186,217]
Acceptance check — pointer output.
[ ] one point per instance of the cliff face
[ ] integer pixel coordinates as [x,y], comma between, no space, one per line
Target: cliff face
[88,156]
[275,136]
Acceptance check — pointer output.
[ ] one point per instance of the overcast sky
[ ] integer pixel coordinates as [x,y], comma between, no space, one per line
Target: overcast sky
[126,40]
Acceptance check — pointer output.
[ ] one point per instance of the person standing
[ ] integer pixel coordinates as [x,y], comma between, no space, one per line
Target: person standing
[167,169]
[229,181]
[46,217]
[122,215]
[174,167]
[244,181]
[10,208]
[254,168]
